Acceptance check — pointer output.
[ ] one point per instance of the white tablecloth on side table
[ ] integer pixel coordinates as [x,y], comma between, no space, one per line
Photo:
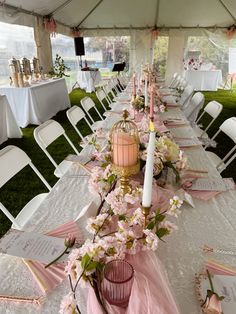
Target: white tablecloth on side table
[37,103]
[88,79]
[204,80]
[8,125]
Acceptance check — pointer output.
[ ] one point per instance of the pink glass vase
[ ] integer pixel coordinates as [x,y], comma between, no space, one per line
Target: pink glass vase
[117,282]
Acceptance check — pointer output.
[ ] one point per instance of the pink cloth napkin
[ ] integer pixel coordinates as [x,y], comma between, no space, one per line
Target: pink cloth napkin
[203,195]
[150,292]
[219,269]
[49,278]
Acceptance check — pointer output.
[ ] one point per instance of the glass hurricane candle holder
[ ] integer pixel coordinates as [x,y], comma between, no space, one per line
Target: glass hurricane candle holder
[117,282]
[125,151]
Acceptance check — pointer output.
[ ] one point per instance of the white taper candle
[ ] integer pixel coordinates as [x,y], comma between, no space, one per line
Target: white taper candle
[148,178]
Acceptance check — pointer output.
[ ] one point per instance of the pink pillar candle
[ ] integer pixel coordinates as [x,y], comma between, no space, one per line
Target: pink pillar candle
[125,149]
[134,85]
[152,104]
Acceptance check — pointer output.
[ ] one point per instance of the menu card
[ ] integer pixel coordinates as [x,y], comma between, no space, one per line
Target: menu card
[214,184]
[32,246]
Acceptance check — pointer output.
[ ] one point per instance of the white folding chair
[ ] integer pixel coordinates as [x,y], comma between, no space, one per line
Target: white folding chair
[213,109]
[12,161]
[195,105]
[107,90]
[186,96]
[74,115]
[101,97]
[87,104]
[47,133]
[229,128]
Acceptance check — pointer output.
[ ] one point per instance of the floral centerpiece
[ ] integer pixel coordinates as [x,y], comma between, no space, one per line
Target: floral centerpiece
[117,231]
[192,64]
[138,103]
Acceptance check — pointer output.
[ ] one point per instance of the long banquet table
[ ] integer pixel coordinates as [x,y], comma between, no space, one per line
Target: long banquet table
[211,222]
[8,125]
[37,103]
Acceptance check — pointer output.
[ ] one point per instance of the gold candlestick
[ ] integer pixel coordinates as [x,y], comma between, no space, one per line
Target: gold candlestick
[146,212]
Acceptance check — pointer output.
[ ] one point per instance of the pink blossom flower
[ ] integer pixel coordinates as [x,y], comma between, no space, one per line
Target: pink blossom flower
[95,223]
[168,225]
[151,240]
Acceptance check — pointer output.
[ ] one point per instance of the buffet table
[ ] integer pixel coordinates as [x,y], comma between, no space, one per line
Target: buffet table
[8,125]
[37,103]
[87,80]
[209,222]
[204,80]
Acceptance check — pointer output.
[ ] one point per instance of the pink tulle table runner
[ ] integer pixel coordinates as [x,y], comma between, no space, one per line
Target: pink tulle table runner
[150,292]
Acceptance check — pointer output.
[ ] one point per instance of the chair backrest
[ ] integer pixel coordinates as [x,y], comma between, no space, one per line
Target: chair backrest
[213,108]
[47,133]
[76,114]
[101,96]
[173,79]
[107,90]
[87,103]
[12,161]
[229,128]
[186,96]
[195,105]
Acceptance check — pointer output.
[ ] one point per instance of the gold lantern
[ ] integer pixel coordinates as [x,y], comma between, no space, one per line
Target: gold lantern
[125,151]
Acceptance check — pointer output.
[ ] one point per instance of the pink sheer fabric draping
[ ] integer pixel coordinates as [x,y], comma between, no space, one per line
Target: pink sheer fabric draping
[150,292]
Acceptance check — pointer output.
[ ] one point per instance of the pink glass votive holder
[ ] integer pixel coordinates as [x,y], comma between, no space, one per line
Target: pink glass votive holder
[117,282]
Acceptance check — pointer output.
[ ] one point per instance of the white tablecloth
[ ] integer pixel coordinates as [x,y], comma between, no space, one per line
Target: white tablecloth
[212,222]
[37,103]
[88,79]
[8,125]
[204,80]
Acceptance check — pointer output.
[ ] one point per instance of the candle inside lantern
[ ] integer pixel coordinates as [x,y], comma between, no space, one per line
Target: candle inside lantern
[148,178]
[134,85]
[125,149]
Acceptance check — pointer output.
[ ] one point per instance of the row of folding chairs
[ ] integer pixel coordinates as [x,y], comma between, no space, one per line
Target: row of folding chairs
[191,104]
[13,159]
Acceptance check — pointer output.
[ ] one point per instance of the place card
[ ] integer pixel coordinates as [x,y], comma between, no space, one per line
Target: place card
[32,246]
[188,142]
[203,184]
[184,196]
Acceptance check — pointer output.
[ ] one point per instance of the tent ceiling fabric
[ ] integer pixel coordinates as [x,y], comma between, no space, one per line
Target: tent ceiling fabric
[135,13]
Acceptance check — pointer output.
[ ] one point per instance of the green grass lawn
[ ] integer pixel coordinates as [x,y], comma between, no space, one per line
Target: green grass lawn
[20,189]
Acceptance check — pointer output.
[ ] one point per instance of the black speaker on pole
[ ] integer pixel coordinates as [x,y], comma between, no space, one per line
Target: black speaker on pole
[79,46]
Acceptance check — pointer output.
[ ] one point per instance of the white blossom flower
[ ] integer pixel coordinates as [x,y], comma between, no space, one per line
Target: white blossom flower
[175,204]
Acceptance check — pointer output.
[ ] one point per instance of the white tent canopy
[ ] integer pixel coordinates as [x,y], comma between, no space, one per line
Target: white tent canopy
[135,13]
[176,18]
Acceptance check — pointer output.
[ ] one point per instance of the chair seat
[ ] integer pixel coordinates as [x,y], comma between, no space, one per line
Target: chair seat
[29,209]
[216,161]
[62,168]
